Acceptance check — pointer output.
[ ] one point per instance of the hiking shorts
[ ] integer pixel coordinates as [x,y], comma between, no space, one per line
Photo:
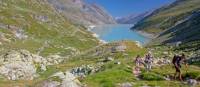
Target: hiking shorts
[177,69]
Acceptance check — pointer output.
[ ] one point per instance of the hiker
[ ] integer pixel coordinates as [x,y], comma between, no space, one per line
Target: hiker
[136,71]
[148,61]
[138,61]
[177,64]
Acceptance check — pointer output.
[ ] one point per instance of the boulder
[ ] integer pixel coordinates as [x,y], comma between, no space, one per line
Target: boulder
[108,59]
[68,79]
[20,65]
[127,84]
[192,82]
[54,59]
[18,70]
[50,84]
[86,69]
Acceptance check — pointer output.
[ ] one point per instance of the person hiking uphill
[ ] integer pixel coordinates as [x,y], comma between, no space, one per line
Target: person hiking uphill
[177,64]
[138,61]
[148,61]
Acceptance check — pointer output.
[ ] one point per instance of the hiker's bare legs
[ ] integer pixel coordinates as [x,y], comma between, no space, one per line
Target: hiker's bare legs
[175,76]
[180,77]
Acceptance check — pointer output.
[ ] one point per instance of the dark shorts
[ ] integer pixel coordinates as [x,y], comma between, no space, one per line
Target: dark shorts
[178,69]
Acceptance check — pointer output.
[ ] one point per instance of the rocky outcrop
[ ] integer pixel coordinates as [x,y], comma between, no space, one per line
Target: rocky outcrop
[127,84]
[67,79]
[49,84]
[86,69]
[16,31]
[22,65]
[42,24]
[19,65]
[81,12]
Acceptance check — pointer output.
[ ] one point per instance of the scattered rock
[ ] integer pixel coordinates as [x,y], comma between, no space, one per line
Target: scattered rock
[125,85]
[68,79]
[22,65]
[108,59]
[161,61]
[50,84]
[192,82]
[118,63]
[54,59]
[42,18]
[20,34]
[165,53]
[119,48]
[194,59]
[167,78]
[139,44]
[86,69]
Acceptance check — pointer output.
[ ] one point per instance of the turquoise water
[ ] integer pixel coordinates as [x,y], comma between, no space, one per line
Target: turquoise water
[110,33]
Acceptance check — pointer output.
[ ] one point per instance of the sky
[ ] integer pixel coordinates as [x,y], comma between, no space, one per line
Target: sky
[120,8]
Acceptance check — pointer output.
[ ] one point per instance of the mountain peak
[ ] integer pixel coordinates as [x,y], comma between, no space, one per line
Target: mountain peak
[80,12]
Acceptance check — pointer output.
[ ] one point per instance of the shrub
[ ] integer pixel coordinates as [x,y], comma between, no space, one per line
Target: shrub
[193,75]
[151,76]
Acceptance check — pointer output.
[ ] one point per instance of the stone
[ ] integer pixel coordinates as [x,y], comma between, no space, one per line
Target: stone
[192,82]
[43,67]
[165,53]
[54,59]
[118,63]
[51,84]
[18,70]
[86,69]
[108,59]
[21,65]
[127,84]
[139,44]
[68,79]
[42,18]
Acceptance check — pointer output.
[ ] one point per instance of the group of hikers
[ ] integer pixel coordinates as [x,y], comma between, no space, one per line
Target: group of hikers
[147,62]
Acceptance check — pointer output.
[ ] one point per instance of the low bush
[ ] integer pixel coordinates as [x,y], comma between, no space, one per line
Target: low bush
[193,75]
[149,76]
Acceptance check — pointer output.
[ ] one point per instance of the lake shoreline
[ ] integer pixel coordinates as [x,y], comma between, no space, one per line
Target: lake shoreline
[145,34]
[109,33]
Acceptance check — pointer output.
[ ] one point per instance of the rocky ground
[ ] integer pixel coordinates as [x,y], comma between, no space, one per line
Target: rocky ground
[109,65]
[22,65]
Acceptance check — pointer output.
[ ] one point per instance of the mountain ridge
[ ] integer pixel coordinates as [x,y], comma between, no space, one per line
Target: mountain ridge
[132,18]
[170,20]
[82,13]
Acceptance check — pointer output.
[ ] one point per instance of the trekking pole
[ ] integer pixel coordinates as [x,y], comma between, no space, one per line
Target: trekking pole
[186,65]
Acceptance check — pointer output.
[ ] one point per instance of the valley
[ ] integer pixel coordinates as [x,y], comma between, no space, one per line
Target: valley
[74,43]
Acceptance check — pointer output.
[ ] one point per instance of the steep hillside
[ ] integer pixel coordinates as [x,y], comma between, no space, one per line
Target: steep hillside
[81,12]
[168,16]
[186,31]
[177,23]
[35,26]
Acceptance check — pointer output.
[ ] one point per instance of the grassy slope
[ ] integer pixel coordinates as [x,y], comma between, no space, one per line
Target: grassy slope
[168,16]
[114,74]
[166,24]
[54,36]
[85,59]
[57,33]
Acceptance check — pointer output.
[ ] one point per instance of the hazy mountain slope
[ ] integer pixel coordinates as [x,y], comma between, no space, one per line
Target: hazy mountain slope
[168,16]
[81,12]
[132,19]
[188,30]
[35,26]
[175,25]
